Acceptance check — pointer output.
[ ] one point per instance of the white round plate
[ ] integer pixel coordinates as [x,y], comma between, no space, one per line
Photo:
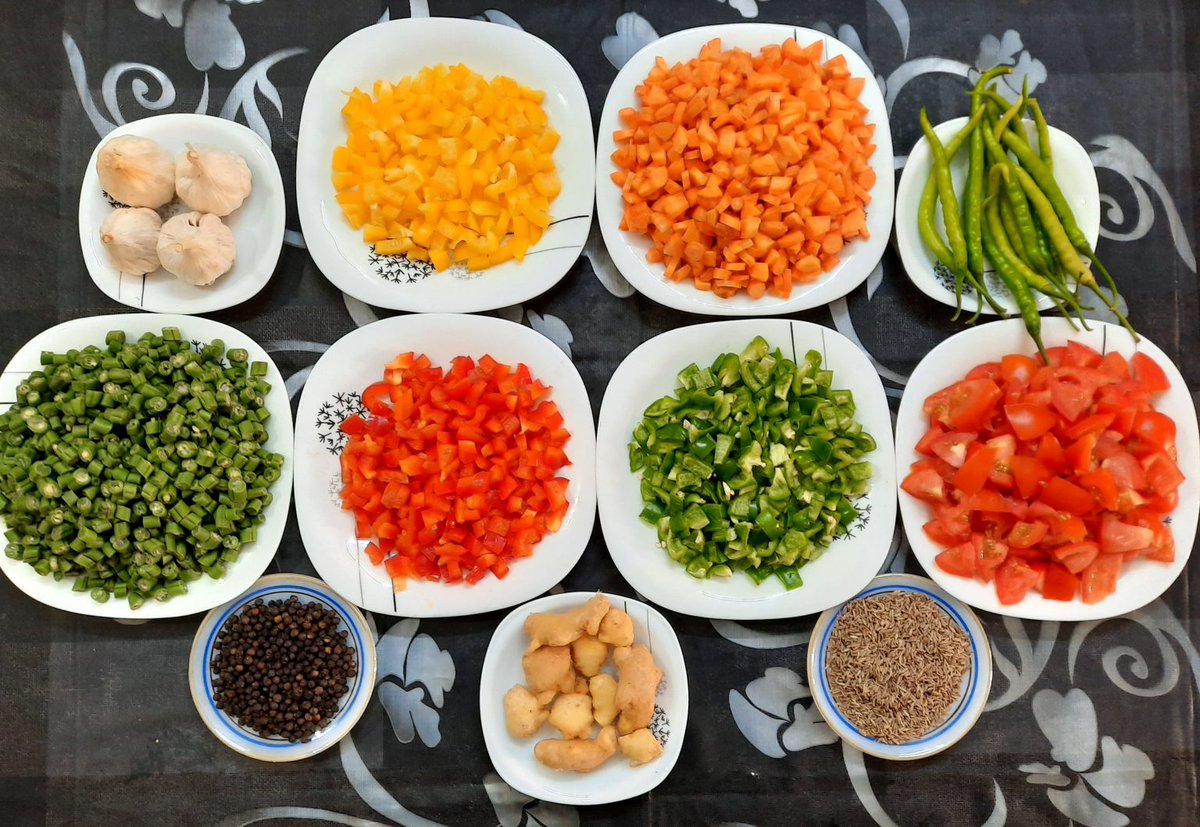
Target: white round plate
[204,593]
[245,740]
[628,250]
[976,684]
[647,374]
[257,225]
[395,49]
[1073,171]
[332,393]
[615,779]
[1141,580]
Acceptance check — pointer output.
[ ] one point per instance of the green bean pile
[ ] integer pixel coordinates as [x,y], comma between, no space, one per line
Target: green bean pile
[1012,212]
[138,467]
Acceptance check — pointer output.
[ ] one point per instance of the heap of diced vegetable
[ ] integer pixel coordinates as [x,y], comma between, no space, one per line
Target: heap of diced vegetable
[448,167]
[752,465]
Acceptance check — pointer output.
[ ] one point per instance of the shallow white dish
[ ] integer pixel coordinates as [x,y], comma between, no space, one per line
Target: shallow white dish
[332,393]
[647,374]
[628,250]
[1073,171]
[257,225]
[1142,580]
[972,697]
[245,740]
[614,780]
[394,49]
[204,593]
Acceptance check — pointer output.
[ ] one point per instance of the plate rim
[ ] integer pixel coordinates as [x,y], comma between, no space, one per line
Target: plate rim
[492,724]
[976,702]
[581,513]
[349,277]
[1035,607]
[904,218]
[368,663]
[650,282]
[277,203]
[702,605]
[281,489]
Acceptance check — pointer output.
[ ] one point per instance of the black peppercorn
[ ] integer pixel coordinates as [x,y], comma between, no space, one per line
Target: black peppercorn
[270,676]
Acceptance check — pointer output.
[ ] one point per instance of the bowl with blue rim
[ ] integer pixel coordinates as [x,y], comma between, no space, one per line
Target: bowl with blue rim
[960,715]
[239,735]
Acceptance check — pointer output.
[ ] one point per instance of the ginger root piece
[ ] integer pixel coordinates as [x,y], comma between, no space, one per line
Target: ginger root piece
[559,629]
[616,629]
[640,747]
[639,678]
[589,653]
[604,698]
[523,714]
[571,715]
[579,755]
[549,668]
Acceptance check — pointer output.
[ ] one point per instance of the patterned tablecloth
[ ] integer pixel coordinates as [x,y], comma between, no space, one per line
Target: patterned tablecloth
[1093,724]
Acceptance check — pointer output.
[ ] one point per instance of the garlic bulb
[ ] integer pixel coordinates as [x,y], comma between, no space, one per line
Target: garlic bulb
[196,248]
[212,180]
[136,171]
[130,236]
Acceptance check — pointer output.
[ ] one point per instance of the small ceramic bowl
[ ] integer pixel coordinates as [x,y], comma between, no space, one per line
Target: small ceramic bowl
[615,779]
[257,225]
[961,716]
[244,739]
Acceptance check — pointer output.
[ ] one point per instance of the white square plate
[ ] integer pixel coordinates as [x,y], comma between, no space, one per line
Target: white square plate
[647,374]
[390,51]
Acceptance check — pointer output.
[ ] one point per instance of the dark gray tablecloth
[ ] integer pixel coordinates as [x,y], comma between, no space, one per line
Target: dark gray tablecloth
[1091,724]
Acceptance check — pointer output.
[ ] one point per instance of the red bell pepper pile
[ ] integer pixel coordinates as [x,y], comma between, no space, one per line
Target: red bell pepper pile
[453,474]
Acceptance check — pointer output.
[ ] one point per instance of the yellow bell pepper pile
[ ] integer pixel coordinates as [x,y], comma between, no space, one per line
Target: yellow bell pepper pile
[448,167]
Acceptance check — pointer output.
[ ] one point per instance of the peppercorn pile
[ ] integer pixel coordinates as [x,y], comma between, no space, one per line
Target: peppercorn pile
[281,667]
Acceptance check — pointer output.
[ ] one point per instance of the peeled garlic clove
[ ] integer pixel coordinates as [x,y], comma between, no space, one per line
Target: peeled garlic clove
[130,237]
[136,171]
[212,180]
[197,248]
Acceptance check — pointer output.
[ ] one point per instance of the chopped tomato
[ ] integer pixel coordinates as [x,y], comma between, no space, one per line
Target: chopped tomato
[925,484]
[959,560]
[1148,373]
[952,447]
[974,473]
[1119,537]
[1099,580]
[1013,580]
[966,405]
[1059,583]
[1052,475]
[1029,421]
[1026,535]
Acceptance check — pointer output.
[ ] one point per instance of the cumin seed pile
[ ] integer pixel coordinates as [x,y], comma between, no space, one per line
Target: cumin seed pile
[894,664]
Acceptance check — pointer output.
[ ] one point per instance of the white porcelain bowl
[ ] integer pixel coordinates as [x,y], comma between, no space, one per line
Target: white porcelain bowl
[395,49]
[1073,171]
[615,780]
[962,715]
[257,225]
[628,250]
[1141,580]
[244,739]
[204,593]
[332,393]
[647,374]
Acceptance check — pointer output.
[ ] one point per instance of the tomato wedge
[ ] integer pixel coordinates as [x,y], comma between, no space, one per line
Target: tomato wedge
[1148,373]
[1099,580]
[1059,583]
[1029,421]
[1013,580]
